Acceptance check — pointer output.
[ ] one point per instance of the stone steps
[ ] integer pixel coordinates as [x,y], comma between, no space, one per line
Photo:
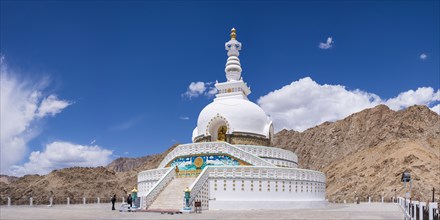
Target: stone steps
[171,198]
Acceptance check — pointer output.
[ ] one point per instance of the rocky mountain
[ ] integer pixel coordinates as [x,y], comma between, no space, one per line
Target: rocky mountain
[367,151]
[7,179]
[119,178]
[363,154]
[124,164]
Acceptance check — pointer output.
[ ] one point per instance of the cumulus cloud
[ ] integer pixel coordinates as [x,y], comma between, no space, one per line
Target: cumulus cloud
[196,89]
[22,105]
[422,96]
[423,56]
[305,103]
[327,45]
[184,118]
[57,155]
[436,108]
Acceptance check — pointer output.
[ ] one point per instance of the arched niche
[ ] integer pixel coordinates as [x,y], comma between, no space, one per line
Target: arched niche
[218,128]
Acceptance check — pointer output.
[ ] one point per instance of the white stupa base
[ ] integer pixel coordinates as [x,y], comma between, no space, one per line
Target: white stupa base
[249,205]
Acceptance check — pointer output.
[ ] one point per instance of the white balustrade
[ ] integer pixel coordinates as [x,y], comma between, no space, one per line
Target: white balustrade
[406,206]
[270,152]
[152,175]
[197,186]
[157,188]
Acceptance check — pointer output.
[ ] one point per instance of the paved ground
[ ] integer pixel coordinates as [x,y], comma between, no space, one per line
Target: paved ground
[102,211]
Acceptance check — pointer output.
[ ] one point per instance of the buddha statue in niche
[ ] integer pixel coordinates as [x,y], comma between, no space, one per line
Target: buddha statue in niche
[221,135]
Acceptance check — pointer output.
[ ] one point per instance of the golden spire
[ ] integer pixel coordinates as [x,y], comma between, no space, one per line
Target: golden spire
[233,34]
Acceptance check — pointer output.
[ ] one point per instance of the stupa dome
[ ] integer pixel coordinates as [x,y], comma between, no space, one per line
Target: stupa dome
[237,114]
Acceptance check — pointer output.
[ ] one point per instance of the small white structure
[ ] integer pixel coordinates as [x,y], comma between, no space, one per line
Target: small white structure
[231,164]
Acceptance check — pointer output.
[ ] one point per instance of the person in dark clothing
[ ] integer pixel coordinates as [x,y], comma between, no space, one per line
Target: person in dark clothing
[129,200]
[113,200]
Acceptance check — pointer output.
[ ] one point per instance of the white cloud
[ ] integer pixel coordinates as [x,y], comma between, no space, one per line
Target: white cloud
[212,91]
[184,118]
[57,155]
[51,106]
[422,96]
[196,89]
[327,45]
[305,103]
[423,56]
[22,105]
[436,109]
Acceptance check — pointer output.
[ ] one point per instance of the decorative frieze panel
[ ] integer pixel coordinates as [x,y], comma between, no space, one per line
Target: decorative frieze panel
[213,148]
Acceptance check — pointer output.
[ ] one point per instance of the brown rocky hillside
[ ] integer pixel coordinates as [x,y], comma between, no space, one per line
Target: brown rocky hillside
[367,152]
[7,179]
[79,182]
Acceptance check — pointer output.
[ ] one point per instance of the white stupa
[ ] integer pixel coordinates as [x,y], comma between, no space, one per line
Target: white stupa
[245,122]
[230,164]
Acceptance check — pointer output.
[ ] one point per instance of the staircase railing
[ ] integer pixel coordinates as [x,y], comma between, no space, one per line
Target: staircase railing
[214,148]
[157,188]
[197,185]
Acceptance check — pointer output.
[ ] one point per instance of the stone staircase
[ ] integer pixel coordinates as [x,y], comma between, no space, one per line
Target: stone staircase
[171,198]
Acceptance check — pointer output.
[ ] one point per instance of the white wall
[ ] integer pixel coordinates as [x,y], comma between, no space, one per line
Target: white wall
[270,190]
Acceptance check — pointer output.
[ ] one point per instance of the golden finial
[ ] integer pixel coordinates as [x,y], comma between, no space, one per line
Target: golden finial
[233,34]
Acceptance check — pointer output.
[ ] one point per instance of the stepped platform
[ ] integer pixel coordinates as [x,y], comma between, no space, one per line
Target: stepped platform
[170,200]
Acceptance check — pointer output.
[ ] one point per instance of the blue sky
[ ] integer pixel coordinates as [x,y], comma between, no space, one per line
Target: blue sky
[119,70]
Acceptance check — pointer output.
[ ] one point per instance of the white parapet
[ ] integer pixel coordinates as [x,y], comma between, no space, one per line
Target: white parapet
[249,187]
[148,178]
[277,156]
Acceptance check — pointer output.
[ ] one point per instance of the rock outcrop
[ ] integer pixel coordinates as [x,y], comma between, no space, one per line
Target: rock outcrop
[367,152]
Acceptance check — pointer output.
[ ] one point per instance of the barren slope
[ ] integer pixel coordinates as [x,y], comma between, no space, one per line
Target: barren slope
[367,151]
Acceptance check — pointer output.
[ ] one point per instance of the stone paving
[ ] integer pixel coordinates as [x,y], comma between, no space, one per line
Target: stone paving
[102,211]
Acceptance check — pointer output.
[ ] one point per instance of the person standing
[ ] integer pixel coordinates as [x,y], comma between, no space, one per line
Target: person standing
[129,200]
[113,200]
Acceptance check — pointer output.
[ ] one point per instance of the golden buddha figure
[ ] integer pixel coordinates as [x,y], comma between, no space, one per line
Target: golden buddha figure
[221,135]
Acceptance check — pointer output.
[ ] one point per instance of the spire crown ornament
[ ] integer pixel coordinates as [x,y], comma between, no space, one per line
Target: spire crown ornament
[233,66]
[233,34]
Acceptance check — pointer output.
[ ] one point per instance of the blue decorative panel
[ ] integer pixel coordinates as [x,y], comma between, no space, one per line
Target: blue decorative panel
[187,163]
